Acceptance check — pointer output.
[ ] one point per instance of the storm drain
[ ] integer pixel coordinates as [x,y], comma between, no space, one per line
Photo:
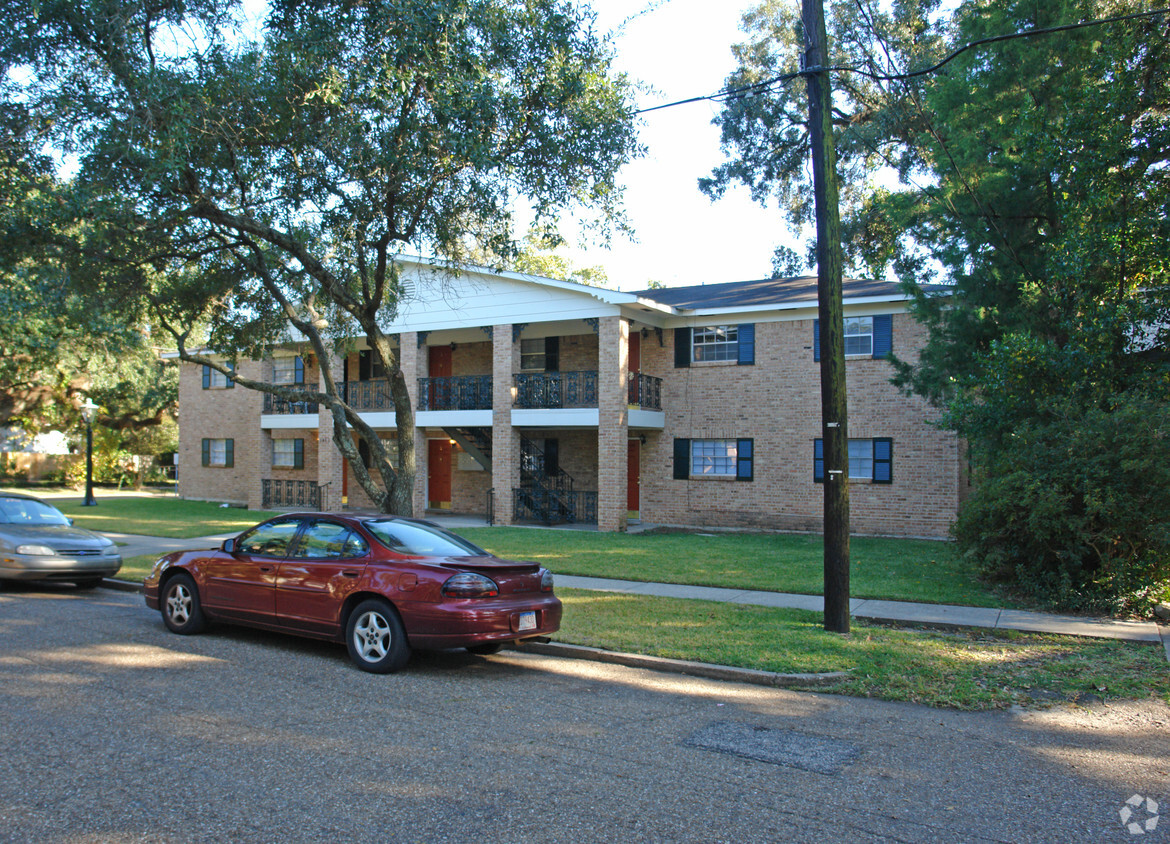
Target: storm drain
[778,747]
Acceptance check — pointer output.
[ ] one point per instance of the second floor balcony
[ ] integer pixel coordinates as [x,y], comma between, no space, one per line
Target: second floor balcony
[459,392]
[556,389]
[278,405]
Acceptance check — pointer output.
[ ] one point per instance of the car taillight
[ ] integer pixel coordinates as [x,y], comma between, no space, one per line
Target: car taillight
[469,585]
[546,581]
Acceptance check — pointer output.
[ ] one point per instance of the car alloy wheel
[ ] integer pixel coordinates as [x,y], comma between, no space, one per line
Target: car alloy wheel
[375,637]
[181,610]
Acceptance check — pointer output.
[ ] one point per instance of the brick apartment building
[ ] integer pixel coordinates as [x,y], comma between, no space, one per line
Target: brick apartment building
[546,401]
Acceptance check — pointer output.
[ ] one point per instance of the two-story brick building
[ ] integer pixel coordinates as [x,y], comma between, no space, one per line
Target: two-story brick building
[548,401]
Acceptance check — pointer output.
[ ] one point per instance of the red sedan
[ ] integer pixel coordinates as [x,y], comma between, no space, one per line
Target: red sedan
[381,584]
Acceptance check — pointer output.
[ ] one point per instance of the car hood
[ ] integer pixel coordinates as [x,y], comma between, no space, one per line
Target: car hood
[55,536]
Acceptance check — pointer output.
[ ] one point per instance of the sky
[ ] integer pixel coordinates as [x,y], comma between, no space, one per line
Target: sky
[682,48]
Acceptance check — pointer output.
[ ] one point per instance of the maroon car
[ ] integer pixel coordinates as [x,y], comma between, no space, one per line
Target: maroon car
[382,584]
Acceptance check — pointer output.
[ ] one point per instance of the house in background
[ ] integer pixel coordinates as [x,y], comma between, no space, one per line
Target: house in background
[33,457]
[546,401]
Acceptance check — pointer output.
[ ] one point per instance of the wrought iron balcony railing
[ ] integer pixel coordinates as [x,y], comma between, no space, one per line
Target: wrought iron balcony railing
[458,392]
[645,391]
[275,404]
[368,395]
[556,389]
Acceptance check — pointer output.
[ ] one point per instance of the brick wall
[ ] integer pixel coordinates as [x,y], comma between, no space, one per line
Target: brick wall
[776,402]
[232,413]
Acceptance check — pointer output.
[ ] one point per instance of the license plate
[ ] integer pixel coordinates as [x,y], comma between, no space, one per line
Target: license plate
[527,621]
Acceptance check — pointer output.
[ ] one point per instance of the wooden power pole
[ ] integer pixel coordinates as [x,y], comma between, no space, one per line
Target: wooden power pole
[834,427]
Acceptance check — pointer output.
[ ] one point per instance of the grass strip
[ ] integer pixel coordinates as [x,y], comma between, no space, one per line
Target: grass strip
[174,518]
[885,568]
[962,670]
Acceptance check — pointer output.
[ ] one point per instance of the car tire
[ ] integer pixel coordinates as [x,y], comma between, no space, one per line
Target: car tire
[486,649]
[180,607]
[375,637]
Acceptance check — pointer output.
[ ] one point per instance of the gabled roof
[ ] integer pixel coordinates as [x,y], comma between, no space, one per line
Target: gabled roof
[772,291]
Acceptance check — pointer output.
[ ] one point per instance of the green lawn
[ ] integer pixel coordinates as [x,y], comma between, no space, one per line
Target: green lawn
[157,515]
[891,569]
[965,670]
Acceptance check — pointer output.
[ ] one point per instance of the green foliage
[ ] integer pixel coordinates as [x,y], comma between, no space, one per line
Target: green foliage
[1033,176]
[240,186]
[1070,508]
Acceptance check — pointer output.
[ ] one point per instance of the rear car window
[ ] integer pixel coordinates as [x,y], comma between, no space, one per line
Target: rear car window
[420,539]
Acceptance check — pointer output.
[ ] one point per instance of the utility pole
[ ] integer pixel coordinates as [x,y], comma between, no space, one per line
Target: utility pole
[834,427]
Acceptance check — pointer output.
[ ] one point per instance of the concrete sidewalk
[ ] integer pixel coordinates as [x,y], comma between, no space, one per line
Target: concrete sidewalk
[888,612]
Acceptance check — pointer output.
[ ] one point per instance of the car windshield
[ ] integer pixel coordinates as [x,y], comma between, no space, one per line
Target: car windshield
[424,540]
[29,511]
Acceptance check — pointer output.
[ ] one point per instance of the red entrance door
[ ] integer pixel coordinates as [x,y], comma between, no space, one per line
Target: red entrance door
[439,366]
[635,352]
[439,474]
[633,479]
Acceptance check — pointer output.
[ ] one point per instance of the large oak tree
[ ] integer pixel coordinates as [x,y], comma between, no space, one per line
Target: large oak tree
[247,183]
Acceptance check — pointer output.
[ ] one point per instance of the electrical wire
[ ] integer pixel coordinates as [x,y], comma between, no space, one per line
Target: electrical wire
[762,87]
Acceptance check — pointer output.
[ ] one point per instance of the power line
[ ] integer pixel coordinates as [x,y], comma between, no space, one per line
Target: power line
[762,87]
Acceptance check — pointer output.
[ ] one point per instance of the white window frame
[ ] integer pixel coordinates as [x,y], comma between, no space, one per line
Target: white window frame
[715,343]
[531,361]
[284,452]
[217,451]
[860,460]
[284,370]
[714,458]
[217,380]
[859,337]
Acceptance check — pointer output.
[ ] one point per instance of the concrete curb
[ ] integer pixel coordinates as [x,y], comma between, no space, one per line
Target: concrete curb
[682,666]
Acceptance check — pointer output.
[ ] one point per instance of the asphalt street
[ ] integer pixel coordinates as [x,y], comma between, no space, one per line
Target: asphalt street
[115,730]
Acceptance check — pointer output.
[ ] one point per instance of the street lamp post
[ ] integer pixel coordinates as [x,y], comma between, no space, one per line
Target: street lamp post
[87,413]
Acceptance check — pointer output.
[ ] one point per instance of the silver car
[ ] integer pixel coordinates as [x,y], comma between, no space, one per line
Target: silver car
[37,542]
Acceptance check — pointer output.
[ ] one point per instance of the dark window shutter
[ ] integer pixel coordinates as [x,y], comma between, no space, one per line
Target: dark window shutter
[299,370]
[552,354]
[816,339]
[206,452]
[229,452]
[230,381]
[298,453]
[682,348]
[552,462]
[364,365]
[682,458]
[883,335]
[364,453]
[883,461]
[744,460]
[819,460]
[206,380]
[747,343]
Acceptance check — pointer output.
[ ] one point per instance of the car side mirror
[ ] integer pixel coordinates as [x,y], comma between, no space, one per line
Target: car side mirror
[229,546]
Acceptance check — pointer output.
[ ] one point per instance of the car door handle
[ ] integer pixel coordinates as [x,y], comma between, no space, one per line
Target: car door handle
[349,573]
[267,568]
